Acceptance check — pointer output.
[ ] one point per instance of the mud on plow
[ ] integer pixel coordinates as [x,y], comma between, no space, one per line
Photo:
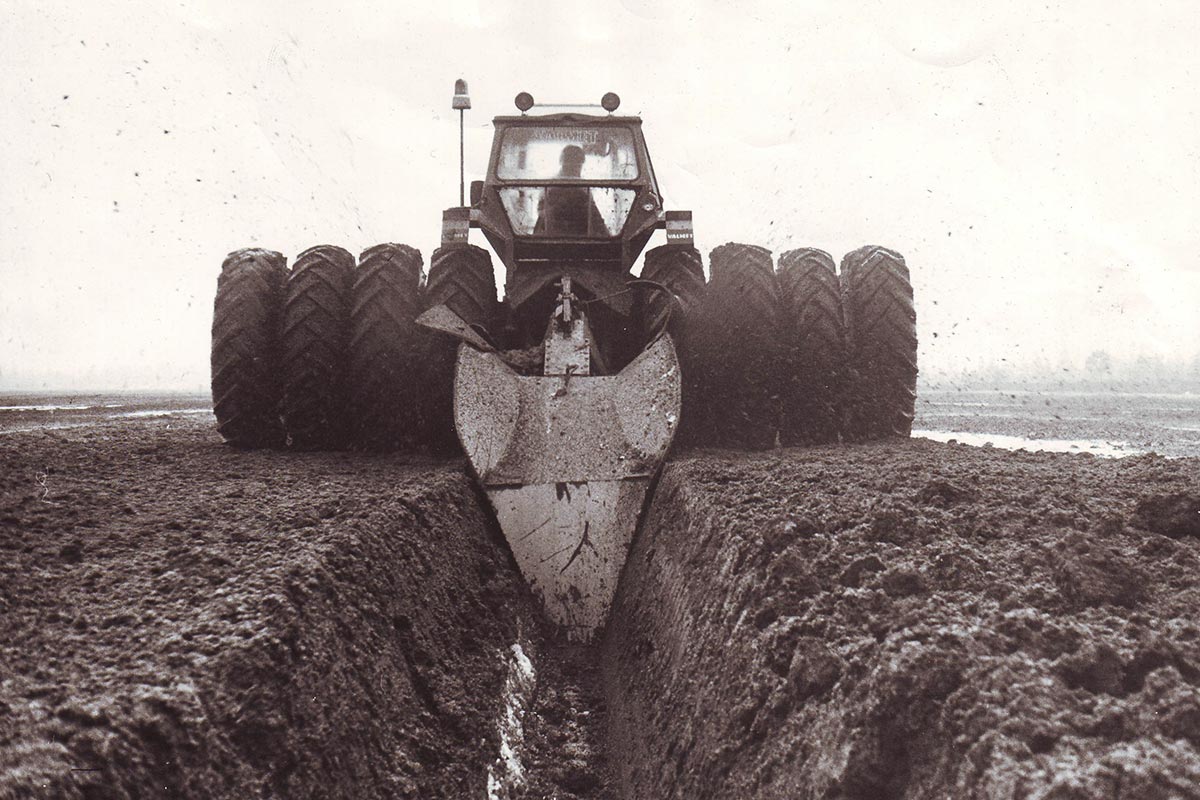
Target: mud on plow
[567,396]
[565,457]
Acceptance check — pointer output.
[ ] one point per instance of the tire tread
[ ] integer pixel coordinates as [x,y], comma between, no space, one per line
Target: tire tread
[315,338]
[384,348]
[246,349]
[881,342]
[814,337]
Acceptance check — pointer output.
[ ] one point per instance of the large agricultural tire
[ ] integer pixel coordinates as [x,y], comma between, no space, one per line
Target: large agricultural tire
[815,348]
[461,278]
[316,327]
[679,270]
[245,348]
[881,337]
[385,359]
[737,351]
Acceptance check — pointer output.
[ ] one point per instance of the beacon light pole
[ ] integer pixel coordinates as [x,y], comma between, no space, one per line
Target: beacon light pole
[461,102]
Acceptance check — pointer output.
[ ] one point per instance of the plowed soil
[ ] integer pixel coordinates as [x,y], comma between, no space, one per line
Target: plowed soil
[911,619]
[180,619]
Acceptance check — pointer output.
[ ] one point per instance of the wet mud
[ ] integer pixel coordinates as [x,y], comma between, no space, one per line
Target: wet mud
[911,620]
[180,619]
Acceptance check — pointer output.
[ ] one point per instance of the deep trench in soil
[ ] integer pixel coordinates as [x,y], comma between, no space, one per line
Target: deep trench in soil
[552,719]
[562,752]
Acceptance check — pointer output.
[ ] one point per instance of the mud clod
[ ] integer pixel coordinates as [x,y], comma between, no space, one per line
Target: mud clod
[72,552]
[943,493]
[1176,514]
[895,523]
[853,575]
[902,582]
[1095,667]
[814,669]
[1091,574]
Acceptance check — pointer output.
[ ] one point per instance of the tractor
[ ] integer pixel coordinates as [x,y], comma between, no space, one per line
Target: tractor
[567,395]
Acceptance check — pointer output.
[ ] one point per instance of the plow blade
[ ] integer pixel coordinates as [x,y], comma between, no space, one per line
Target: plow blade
[566,461]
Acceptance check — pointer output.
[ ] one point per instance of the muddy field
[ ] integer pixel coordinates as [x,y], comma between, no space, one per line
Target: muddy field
[915,619]
[1108,422]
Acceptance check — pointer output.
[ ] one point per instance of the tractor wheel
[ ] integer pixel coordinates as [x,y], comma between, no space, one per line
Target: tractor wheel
[737,350]
[316,323]
[461,278]
[881,337]
[680,270]
[383,391]
[814,347]
[245,348]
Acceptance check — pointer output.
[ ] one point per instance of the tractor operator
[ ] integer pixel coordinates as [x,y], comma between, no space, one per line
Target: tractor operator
[569,210]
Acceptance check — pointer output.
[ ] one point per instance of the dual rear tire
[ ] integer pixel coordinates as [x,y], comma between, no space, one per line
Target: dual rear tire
[315,335]
[811,326]
[672,291]
[881,338]
[795,356]
[800,355]
[329,355]
[461,278]
[384,402]
[247,315]
[738,351]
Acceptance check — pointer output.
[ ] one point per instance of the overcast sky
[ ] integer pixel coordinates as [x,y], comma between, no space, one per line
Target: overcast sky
[1037,163]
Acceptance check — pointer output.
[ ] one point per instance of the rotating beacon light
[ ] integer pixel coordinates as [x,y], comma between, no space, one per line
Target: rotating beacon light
[460,103]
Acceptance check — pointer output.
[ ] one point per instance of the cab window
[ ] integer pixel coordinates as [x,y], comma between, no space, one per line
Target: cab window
[591,212]
[578,152]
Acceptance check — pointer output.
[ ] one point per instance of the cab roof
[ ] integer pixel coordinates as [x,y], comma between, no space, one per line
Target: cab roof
[567,118]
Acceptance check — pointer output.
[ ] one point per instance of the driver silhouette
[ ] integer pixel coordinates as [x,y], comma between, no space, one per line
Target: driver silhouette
[569,210]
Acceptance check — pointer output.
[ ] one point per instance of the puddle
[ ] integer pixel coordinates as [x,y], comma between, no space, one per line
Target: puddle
[1107,449]
[50,423]
[506,774]
[166,412]
[47,426]
[51,408]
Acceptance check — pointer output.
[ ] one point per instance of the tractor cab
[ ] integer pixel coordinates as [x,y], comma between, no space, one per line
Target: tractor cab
[567,194]
[568,178]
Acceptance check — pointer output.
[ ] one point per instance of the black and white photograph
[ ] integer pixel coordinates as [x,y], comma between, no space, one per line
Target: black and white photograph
[599,401]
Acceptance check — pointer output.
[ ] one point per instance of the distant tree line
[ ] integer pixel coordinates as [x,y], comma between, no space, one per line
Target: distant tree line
[1099,371]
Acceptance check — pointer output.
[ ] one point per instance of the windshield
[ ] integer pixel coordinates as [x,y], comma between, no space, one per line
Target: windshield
[600,153]
[595,212]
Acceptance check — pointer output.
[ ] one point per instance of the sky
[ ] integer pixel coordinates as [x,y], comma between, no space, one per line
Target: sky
[1038,164]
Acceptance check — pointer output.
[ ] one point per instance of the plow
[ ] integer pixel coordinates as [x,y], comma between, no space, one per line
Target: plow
[567,396]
